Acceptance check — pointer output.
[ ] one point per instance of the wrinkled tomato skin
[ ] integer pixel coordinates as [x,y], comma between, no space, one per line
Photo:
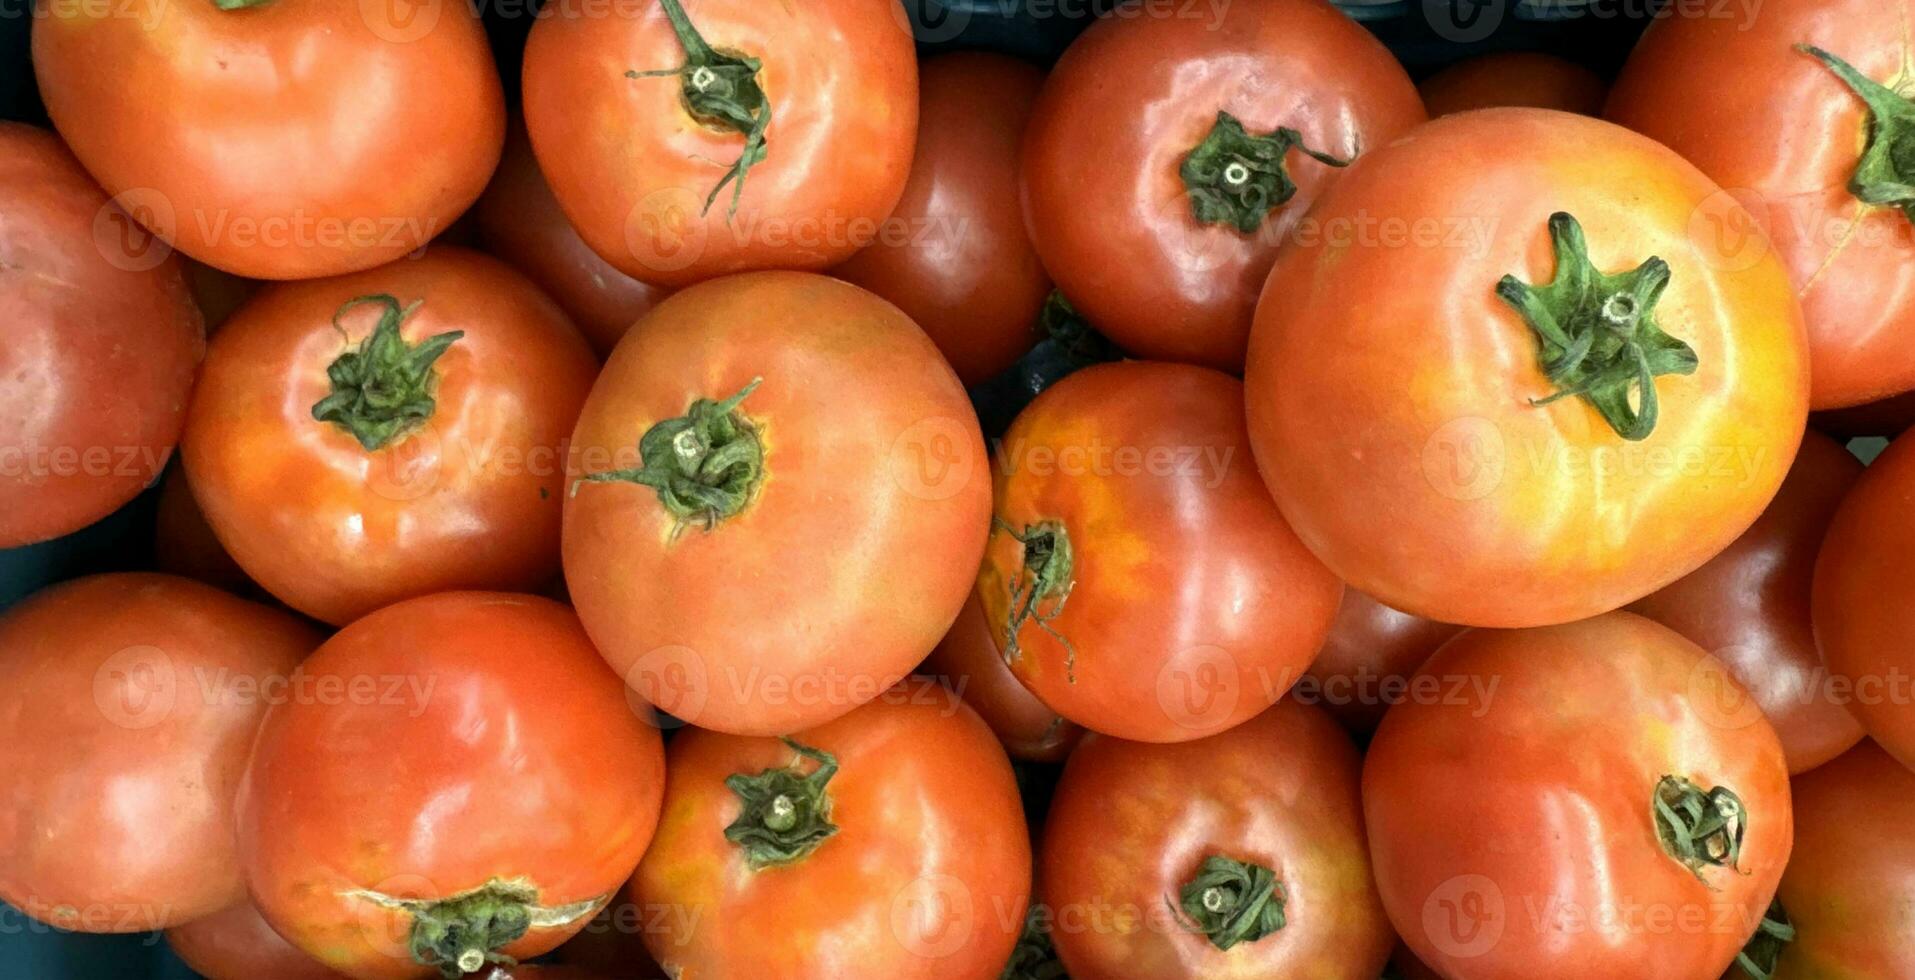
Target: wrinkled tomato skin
[853,555]
[1749,607]
[1191,605]
[1782,134]
[927,877]
[468,499]
[969,661]
[1512,830]
[1513,78]
[493,745]
[127,704]
[303,139]
[102,341]
[1132,822]
[1409,455]
[954,255]
[237,944]
[1864,602]
[1371,650]
[632,167]
[1130,99]
[520,222]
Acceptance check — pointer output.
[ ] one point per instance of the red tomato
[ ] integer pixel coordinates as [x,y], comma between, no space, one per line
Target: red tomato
[102,338]
[300,139]
[455,778]
[238,945]
[1236,856]
[127,703]
[1513,78]
[1158,174]
[783,450]
[217,292]
[969,661]
[183,543]
[888,844]
[1427,454]
[1790,138]
[434,466]
[1749,607]
[1864,600]
[1368,659]
[689,141]
[955,255]
[1139,579]
[522,224]
[1599,800]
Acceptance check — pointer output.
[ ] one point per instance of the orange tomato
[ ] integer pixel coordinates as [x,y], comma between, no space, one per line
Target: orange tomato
[1514,78]
[968,660]
[1368,659]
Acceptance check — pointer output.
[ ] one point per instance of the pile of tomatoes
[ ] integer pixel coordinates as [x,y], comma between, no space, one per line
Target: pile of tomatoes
[581,557]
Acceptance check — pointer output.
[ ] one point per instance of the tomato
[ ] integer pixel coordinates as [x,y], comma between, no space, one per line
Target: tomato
[102,341]
[127,703]
[1427,456]
[1139,579]
[183,543]
[360,440]
[696,138]
[888,844]
[1158,177]
[455,778]
[302,138]
[238,945]
[217,292]
[1889,417]
[969,661]
[1790,137]
[782,450]
[1405,966]
[1593,800]
[1368,659]
[1749,607]
[1864,602]
[521,223]
[1513,78]
[955,255]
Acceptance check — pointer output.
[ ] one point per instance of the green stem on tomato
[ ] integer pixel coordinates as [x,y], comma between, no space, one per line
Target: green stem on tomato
[1237,179]
[1699,828]
[787,812]
[383,388]
[1885,172]
[705,465]
[1045,576]
[723,91]
[1231,901]
[1763,952]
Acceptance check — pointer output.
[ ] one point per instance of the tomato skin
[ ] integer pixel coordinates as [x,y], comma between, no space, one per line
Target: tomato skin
[1191,605]
[1132,821]
[470,498]
[863,534]
[100,351]
[1513,78]
[237,944]
[632,167]
[521,223]
[969,661]
[153,686]
[1863,599]
[1779,131]
[1130,98]
[962,265]
[928,819]
[1408,454]
[522,760]
[1749,607]
[1371,649]
[1513,831]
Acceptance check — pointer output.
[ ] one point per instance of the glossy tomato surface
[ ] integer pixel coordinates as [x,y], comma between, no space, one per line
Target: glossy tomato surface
[1558,816]
[1401,411]
[237,944]
[1139,578]
[1368,659]
[444,760]
[648,176]
[1127,104]
[836,498]
[907,861]
[102,338]
[461,486]
[1777,128]
[1513,78]
[968,660]
[127,704]
[1135,828]
[954,254]
[1749,607]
